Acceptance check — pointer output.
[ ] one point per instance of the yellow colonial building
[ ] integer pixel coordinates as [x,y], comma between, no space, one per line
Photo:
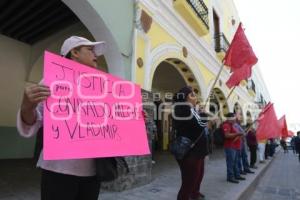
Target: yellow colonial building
[183,42]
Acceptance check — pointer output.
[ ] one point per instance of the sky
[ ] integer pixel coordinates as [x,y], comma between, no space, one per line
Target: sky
[273,29]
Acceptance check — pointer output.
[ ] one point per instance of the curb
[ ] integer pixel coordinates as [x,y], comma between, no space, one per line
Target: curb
[246,194]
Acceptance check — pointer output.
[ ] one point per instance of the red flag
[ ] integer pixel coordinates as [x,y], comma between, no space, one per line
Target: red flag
[261,114]
[284,132]
[267,124]
[240,53]
[238,75]
[291,134]
[265,108]
[240,58]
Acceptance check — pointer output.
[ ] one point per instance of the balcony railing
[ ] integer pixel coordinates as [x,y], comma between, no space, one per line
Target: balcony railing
[261,102]
[195,13]
[251,87]
[200,9]
[221,43]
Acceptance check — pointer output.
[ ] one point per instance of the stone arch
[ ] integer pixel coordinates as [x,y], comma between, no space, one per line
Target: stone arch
[172,53]
[183,72]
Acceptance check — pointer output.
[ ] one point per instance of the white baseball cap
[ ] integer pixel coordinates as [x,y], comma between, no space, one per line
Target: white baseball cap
[76,41]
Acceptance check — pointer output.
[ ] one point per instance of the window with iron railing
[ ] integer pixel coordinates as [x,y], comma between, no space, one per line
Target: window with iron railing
[200,9]
[251,85]
[221,43]
[261,102]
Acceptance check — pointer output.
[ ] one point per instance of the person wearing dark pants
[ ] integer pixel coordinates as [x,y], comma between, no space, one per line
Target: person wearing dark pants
[297,144]
[253,156]
[252,144]
[189,123]
[59,186]
[192,172]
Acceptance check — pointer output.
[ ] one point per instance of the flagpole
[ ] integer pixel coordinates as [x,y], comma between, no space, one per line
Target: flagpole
[219,111]
[230,93]
[214,84]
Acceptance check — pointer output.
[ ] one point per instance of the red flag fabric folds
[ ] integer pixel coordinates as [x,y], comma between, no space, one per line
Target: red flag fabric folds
[291,133]
[238,75]
[284,132]
[240,58]
[240,52]
[267,124]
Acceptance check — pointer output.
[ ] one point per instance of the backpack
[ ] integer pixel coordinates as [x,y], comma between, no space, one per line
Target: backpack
[218,136]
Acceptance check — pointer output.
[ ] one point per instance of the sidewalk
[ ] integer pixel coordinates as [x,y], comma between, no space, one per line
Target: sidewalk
[166,181]
[19,180]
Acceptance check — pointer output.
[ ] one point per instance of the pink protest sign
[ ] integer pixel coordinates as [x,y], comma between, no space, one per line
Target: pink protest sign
[90,113]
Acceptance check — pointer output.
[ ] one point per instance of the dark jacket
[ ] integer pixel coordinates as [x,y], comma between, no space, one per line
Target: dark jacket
[297,144]
[191,128]
[251,139]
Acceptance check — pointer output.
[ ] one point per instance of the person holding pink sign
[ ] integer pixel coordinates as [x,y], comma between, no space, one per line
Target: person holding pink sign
[73,179]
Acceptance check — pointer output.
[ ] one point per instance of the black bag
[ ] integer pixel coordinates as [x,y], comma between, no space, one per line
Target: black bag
[38,144]
[180,147]
[109,169]
[219,137]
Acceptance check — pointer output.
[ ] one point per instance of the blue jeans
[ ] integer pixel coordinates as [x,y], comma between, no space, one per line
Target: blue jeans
[232,160]
[243,163]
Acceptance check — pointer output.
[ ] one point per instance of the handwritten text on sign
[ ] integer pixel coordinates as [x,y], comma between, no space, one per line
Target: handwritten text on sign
[90,113]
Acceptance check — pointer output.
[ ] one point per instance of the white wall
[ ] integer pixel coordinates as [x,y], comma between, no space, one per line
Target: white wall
[14,59]
[20,62]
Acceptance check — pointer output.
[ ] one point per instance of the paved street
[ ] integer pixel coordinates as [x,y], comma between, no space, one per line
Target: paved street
[281,181]
[20,181]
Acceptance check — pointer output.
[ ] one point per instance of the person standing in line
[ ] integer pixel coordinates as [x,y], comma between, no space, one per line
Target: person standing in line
[252,144]
[188,123]
[232,146]
[293,144]
[273,146]
[267,149]
[283,145]
[73,179]
[297,144]
[243,165]
[261,150]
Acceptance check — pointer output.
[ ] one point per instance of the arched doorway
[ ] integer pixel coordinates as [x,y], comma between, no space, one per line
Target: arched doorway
[169,77]
[217,103]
